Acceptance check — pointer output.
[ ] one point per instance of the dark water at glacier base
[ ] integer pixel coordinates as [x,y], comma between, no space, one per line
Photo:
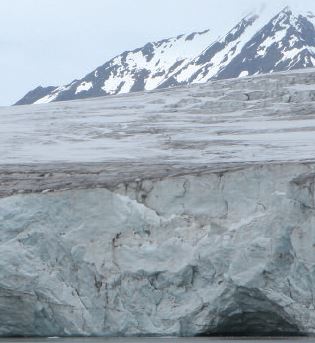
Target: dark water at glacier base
[159,340]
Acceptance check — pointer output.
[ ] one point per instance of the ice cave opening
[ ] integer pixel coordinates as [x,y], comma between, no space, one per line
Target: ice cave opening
[249,313]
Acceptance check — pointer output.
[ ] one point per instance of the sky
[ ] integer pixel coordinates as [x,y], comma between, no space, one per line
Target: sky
[52,42]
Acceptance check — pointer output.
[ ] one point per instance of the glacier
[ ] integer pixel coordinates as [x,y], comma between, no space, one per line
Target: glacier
[179,212]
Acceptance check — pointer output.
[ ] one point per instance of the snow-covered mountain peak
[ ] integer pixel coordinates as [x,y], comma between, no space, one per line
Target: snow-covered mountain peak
[288,16]
[294,8]
[263,41]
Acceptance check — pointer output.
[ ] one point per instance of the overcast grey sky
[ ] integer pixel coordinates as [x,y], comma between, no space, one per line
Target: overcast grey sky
[52,42]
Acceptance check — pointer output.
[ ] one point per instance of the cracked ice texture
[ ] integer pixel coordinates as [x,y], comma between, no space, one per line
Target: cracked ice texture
[264,118]
[183,255]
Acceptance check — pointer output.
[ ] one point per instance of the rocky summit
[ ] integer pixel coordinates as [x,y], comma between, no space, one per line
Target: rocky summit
[262,42]
[182,212]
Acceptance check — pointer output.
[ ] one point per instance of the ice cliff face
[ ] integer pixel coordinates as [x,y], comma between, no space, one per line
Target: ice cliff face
[259,43]
[224,251]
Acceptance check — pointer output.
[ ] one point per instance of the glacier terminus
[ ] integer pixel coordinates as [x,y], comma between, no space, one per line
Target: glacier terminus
[178,212]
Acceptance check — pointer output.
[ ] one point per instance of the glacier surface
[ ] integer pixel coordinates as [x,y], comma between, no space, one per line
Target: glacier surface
[262,118]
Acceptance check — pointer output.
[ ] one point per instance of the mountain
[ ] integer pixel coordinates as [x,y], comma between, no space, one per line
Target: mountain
[259,43]
[143,68]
